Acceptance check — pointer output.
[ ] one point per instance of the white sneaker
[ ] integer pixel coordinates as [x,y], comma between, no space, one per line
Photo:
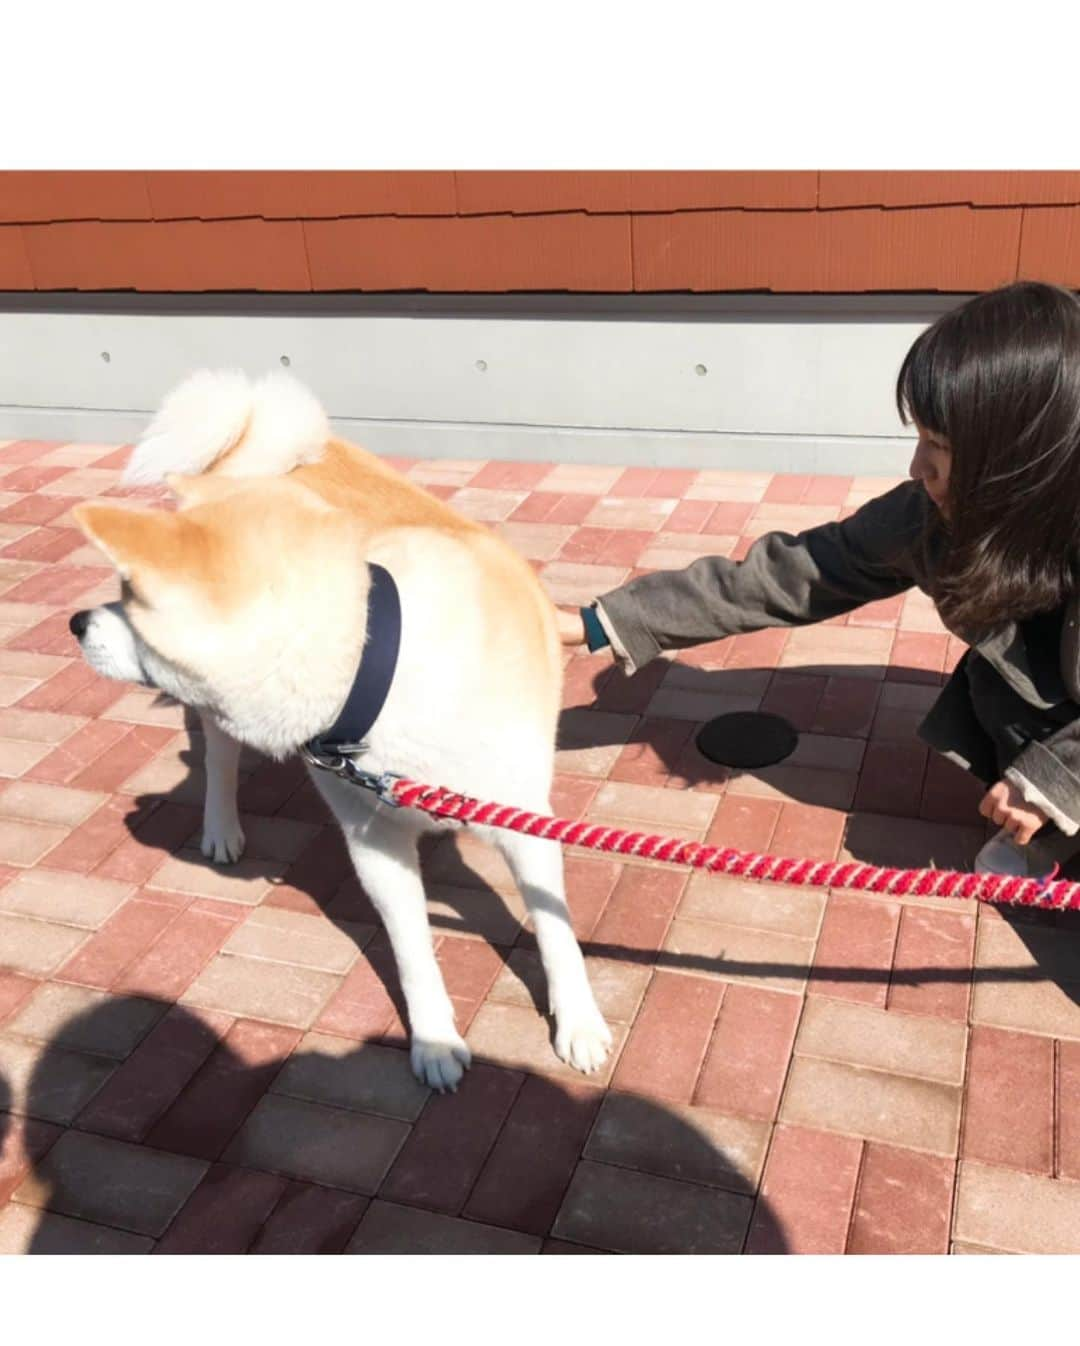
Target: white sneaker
[1001,855]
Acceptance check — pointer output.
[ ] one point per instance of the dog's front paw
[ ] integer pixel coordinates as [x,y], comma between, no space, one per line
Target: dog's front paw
[440,1061]
[223,841]
[583,1040]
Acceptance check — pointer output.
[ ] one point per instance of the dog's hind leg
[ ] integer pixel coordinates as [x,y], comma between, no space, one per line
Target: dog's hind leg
[582,1038]
[384,853]
[223,837]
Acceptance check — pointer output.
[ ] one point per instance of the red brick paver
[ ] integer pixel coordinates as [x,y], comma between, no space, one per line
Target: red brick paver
[205,1061]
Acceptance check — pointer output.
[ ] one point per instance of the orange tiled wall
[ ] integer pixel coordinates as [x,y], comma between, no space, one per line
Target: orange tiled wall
[619,232]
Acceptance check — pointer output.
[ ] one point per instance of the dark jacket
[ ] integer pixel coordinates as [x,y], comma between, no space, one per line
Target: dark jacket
[893,543]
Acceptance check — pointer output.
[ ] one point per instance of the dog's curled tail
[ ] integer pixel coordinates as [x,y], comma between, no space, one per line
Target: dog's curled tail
[261,429]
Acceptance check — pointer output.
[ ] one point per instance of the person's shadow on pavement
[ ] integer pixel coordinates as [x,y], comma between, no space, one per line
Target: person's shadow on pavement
[184,1147]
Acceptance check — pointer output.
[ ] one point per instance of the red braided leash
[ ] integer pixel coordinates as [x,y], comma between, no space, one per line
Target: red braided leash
[1059,894]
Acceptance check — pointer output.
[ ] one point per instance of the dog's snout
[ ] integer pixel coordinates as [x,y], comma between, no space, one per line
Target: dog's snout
[78,623]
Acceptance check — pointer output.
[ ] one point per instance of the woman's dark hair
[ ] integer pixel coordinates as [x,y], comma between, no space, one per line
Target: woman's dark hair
[999,377]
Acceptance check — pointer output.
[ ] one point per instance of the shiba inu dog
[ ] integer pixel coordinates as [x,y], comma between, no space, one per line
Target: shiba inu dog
[250,603]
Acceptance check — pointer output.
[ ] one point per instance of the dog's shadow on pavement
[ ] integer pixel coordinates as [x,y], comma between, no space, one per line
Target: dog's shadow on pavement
[469,903]
[139,1128]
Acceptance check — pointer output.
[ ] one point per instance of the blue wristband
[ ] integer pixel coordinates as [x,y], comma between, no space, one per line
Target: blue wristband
[595,635]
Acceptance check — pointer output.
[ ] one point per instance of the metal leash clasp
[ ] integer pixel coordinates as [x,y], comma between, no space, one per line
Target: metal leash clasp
[340,761]
[381,783]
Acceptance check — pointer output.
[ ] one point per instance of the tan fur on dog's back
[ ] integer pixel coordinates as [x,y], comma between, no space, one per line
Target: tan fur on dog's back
[351,478]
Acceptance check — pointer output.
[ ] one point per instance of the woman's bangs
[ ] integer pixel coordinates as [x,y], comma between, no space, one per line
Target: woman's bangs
[920,387]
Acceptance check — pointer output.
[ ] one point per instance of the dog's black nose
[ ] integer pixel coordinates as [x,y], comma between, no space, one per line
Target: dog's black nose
[78,623]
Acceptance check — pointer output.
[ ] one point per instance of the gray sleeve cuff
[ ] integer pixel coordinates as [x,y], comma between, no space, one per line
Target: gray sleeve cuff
[1033,795]
[618,649]
[632,643]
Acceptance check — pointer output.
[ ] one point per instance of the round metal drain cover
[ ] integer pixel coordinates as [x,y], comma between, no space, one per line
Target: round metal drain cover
[747,738]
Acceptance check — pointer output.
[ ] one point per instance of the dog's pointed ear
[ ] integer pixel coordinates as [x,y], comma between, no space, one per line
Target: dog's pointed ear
[137,539]
[203,490]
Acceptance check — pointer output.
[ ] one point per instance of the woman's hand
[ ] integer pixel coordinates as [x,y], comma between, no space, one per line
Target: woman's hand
[1005,804]
[571,627]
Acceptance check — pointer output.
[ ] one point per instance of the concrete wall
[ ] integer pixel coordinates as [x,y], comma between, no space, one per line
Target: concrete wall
[784,383]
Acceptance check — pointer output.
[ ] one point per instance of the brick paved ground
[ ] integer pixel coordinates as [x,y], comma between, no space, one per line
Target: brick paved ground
[199,1059]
